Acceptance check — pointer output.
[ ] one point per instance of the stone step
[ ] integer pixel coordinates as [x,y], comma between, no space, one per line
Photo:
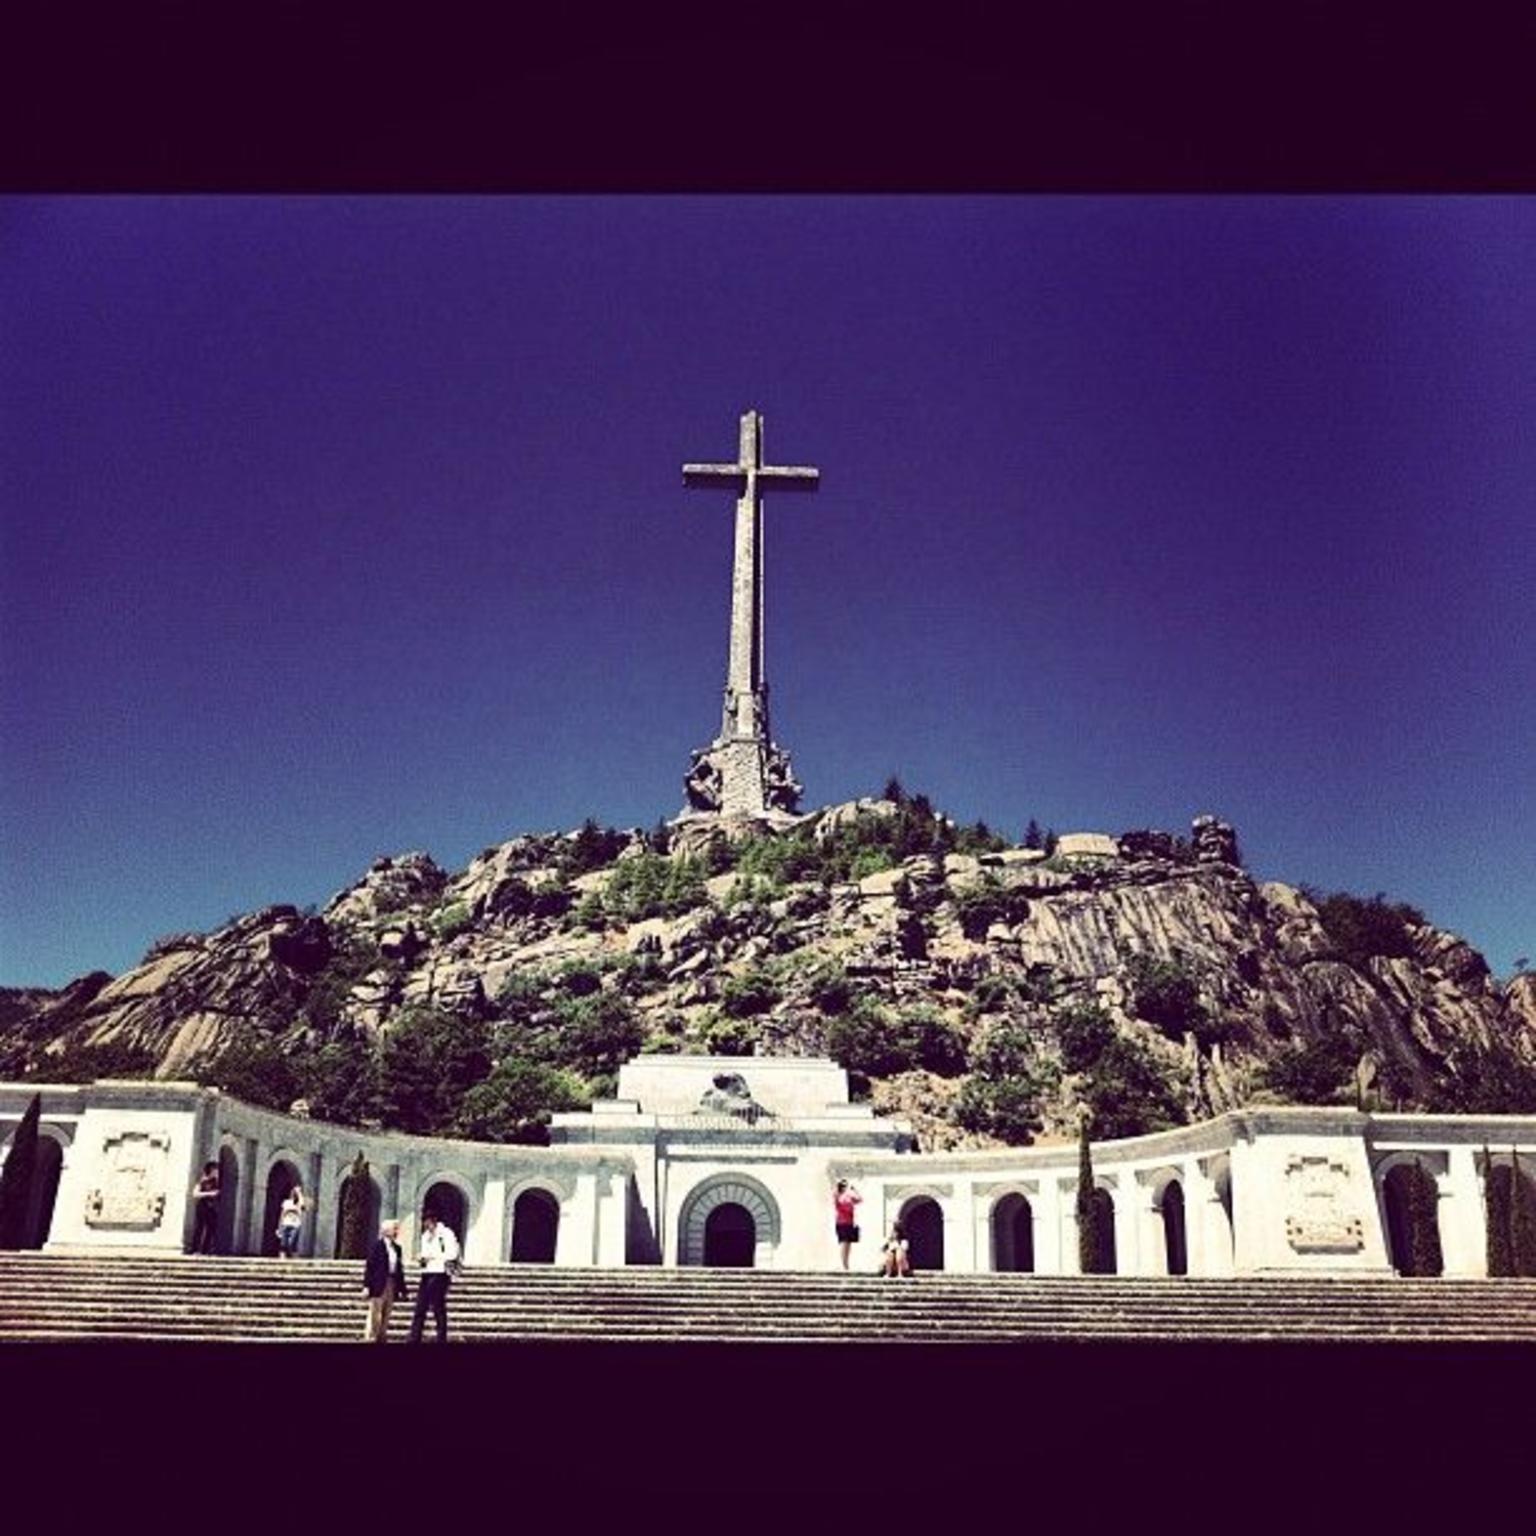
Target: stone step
[61,1296]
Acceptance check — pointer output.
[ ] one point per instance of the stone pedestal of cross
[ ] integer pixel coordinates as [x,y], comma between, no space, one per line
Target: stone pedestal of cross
[743,773]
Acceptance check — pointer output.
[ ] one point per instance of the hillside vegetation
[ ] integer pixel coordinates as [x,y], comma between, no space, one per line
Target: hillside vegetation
[982,990]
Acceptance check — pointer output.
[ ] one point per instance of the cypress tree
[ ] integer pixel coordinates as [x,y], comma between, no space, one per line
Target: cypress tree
[1522,1219]
[17,1178]
[1497,1210]
[1090,1242]
[355,1236]
[1424,1253]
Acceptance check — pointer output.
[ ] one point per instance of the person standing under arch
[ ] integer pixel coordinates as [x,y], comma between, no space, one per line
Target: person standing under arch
[437,1251]
[845,1201]
[290,1223]
[205,1210]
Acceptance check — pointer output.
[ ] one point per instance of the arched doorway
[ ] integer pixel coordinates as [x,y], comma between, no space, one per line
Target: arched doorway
[535,1227]
[1175,1242]
[924,1222]
[225,1238]
[1410,1200]
[45,1190]
[730,1237]
[372,1210]
[280,1182]
[446,1201]
[1100,1259]
[1013,1235]
[727,1189]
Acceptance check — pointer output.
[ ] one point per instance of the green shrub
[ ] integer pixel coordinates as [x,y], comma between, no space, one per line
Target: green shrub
[341,1081]
[868,1040]
[1084,1031]
[1005,1107]
[749,994]
[1362,928]
[720,1035]
[831,990]
[596,1034]
[591,848]
[1129,1092]
[986,902]
[515,1102]
[451,920]
[430,1059]
[255,1069]
[1317,1071]
[82,1063]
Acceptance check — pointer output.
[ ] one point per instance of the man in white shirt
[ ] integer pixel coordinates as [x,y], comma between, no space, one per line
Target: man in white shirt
[383,1281]
[438,1254]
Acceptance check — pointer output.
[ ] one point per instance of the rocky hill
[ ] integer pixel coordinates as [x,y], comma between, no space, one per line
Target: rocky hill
[981,989]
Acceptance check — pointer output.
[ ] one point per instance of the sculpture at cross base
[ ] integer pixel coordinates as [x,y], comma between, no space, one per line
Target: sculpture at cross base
[744,772]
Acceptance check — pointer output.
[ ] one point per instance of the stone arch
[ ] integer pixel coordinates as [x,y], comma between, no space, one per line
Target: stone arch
[535,1226]
[1013,1233]
[451,1195]
[1169,1204]
[371,1217]
[728,1189]
[282,1175]
[1410,1200]
[226,1239]
[922,1217]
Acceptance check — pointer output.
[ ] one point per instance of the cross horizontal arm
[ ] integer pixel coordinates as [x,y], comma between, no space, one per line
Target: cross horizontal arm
[710,475]
[789,477]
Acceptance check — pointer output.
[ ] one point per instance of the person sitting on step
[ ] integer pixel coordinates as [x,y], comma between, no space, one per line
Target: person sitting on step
[896,1261]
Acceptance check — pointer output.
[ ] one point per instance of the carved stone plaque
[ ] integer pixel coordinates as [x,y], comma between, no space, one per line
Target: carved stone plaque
[132,1191]
[1317,1194]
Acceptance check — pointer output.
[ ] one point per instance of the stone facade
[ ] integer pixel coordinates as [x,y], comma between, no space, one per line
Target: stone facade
[645,1177]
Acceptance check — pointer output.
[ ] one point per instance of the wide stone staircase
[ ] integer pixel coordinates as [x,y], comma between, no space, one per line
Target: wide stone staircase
[57,1297]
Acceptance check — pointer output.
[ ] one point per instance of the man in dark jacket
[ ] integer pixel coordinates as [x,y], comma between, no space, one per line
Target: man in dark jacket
[383,1281]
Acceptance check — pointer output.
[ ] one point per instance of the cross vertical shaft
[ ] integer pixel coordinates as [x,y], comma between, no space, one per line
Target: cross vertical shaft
[743,772]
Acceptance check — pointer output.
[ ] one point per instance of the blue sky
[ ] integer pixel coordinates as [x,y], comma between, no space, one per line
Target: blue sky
[335,527]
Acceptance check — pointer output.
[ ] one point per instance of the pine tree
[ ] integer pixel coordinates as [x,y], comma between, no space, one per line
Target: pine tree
[1033,836]
[355,1233]
[17,1178]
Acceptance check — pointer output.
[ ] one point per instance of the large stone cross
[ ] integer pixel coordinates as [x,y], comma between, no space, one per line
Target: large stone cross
[744,773]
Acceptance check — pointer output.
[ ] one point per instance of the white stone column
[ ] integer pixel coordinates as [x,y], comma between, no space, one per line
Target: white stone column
[960,1246]
[982,1207]
[1151,1233]
[1127,1224]
[321,1182]
[613,1234]
[389,1192]
[491,1238]
[1049,1220]
[576,1239]
[249,1195]
[1462,1214]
